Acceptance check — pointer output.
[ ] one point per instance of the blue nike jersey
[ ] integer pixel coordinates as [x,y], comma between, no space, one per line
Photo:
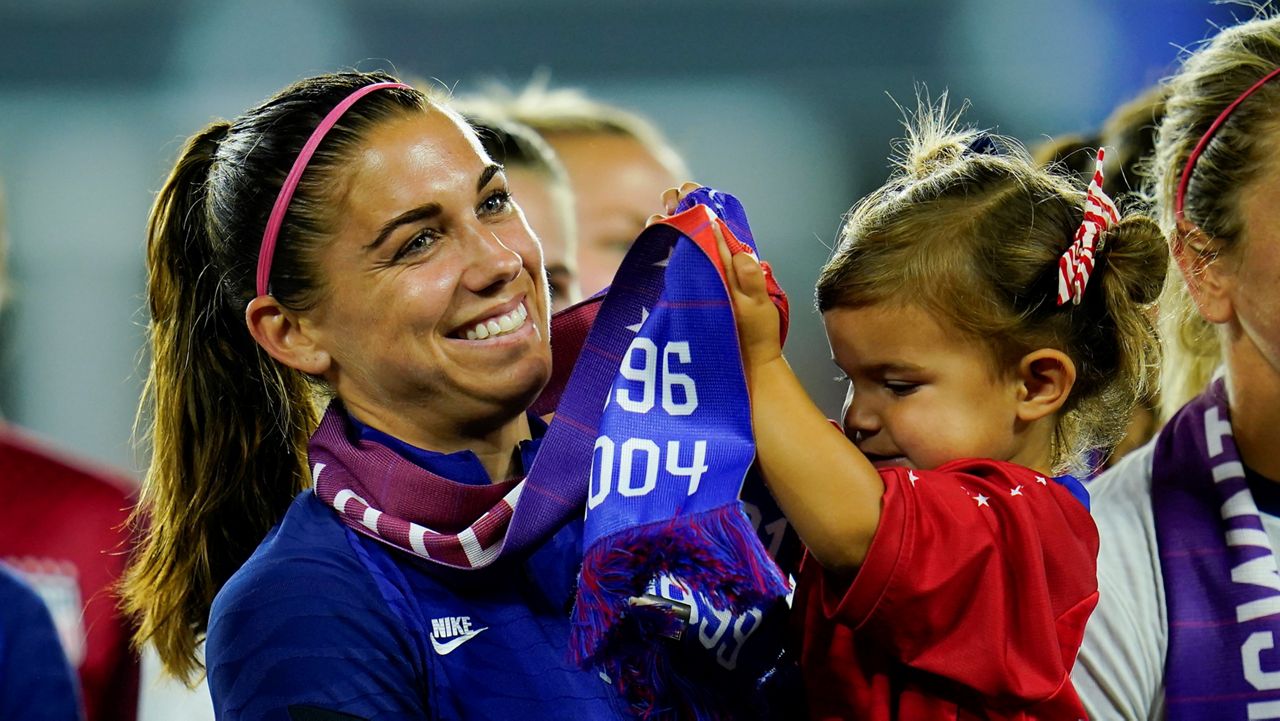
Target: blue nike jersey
[324,624]
[323,617]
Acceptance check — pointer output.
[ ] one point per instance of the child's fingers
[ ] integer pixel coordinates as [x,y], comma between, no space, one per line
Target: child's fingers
[742,271]
[726,258]
[750,276]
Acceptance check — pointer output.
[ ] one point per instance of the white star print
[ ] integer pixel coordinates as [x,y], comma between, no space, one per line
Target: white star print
[911,476]
[1016,491]
[1041,481]
[982,500]
[644,315]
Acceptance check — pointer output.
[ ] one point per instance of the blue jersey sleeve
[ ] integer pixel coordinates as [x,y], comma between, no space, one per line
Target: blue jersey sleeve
[35,679]
[307,636]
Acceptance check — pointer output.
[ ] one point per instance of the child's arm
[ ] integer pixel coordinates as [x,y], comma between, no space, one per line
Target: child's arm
[828,490]
[984,575]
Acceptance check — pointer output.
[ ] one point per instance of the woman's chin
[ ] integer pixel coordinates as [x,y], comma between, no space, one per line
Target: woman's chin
[520,385]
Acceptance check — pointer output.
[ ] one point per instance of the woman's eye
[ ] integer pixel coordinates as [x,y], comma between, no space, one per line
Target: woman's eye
[418,243]
[497,202]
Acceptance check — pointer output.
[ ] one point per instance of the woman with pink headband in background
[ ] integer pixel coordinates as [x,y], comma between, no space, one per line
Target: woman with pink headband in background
[349,238]
[1187,622]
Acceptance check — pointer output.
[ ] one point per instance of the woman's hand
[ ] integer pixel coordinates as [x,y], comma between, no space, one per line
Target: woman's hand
[671,198]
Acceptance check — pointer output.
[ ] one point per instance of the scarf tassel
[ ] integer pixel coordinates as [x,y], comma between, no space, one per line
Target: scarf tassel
[716,553]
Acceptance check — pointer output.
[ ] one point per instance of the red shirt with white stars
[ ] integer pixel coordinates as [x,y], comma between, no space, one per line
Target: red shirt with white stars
[971,603]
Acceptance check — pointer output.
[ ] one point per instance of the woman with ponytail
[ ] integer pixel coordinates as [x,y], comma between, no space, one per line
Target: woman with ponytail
[347,244]
[1190,599]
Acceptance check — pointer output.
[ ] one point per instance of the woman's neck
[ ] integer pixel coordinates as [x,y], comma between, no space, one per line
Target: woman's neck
[1253,390]
[495,445]
[498,451]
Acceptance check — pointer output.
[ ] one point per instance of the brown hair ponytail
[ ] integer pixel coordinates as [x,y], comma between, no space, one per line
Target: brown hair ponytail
[205,498]
[228,425]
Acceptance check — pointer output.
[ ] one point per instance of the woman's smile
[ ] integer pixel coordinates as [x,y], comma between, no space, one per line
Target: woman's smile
[506,320]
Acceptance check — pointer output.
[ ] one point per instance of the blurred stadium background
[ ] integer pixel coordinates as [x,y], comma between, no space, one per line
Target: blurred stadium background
[790,104]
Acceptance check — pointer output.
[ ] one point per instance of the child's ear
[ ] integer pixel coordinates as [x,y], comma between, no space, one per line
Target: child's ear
[286,336]
[1207,280]
[1045,378]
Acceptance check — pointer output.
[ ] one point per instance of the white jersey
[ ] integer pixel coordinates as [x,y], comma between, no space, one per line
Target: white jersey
[164,698]
[1119,673]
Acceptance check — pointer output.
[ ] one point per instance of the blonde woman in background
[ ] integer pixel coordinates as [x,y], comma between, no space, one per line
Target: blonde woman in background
[617,162]
[1190,598]
[539,184]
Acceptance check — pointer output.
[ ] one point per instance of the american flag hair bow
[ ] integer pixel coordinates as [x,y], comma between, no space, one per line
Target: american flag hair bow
[1077,263]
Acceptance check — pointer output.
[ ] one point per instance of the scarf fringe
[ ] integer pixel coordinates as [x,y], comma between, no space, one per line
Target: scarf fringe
[716,553]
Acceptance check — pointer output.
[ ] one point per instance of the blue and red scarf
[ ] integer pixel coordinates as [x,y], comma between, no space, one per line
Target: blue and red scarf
[652,436]
[665,506]
[1220,577]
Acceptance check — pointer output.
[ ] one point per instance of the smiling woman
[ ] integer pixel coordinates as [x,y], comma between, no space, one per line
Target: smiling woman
[349,238]
[425,278]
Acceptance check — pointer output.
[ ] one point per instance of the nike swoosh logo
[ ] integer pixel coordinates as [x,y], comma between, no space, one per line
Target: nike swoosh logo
[448,647]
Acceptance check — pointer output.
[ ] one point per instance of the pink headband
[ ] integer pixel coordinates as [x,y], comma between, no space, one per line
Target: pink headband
[1208,135]
[268,250]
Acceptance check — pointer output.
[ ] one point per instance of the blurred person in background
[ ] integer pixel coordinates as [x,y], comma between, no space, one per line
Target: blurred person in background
[538,184]
[63,530]
[1129,135]
[617,161]
[36,682]
[1189,604]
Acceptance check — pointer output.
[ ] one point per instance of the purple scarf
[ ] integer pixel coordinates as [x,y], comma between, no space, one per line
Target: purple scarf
[1220,576]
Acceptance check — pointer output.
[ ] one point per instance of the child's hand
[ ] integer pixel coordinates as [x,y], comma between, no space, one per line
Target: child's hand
[759,328]
[757,317]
